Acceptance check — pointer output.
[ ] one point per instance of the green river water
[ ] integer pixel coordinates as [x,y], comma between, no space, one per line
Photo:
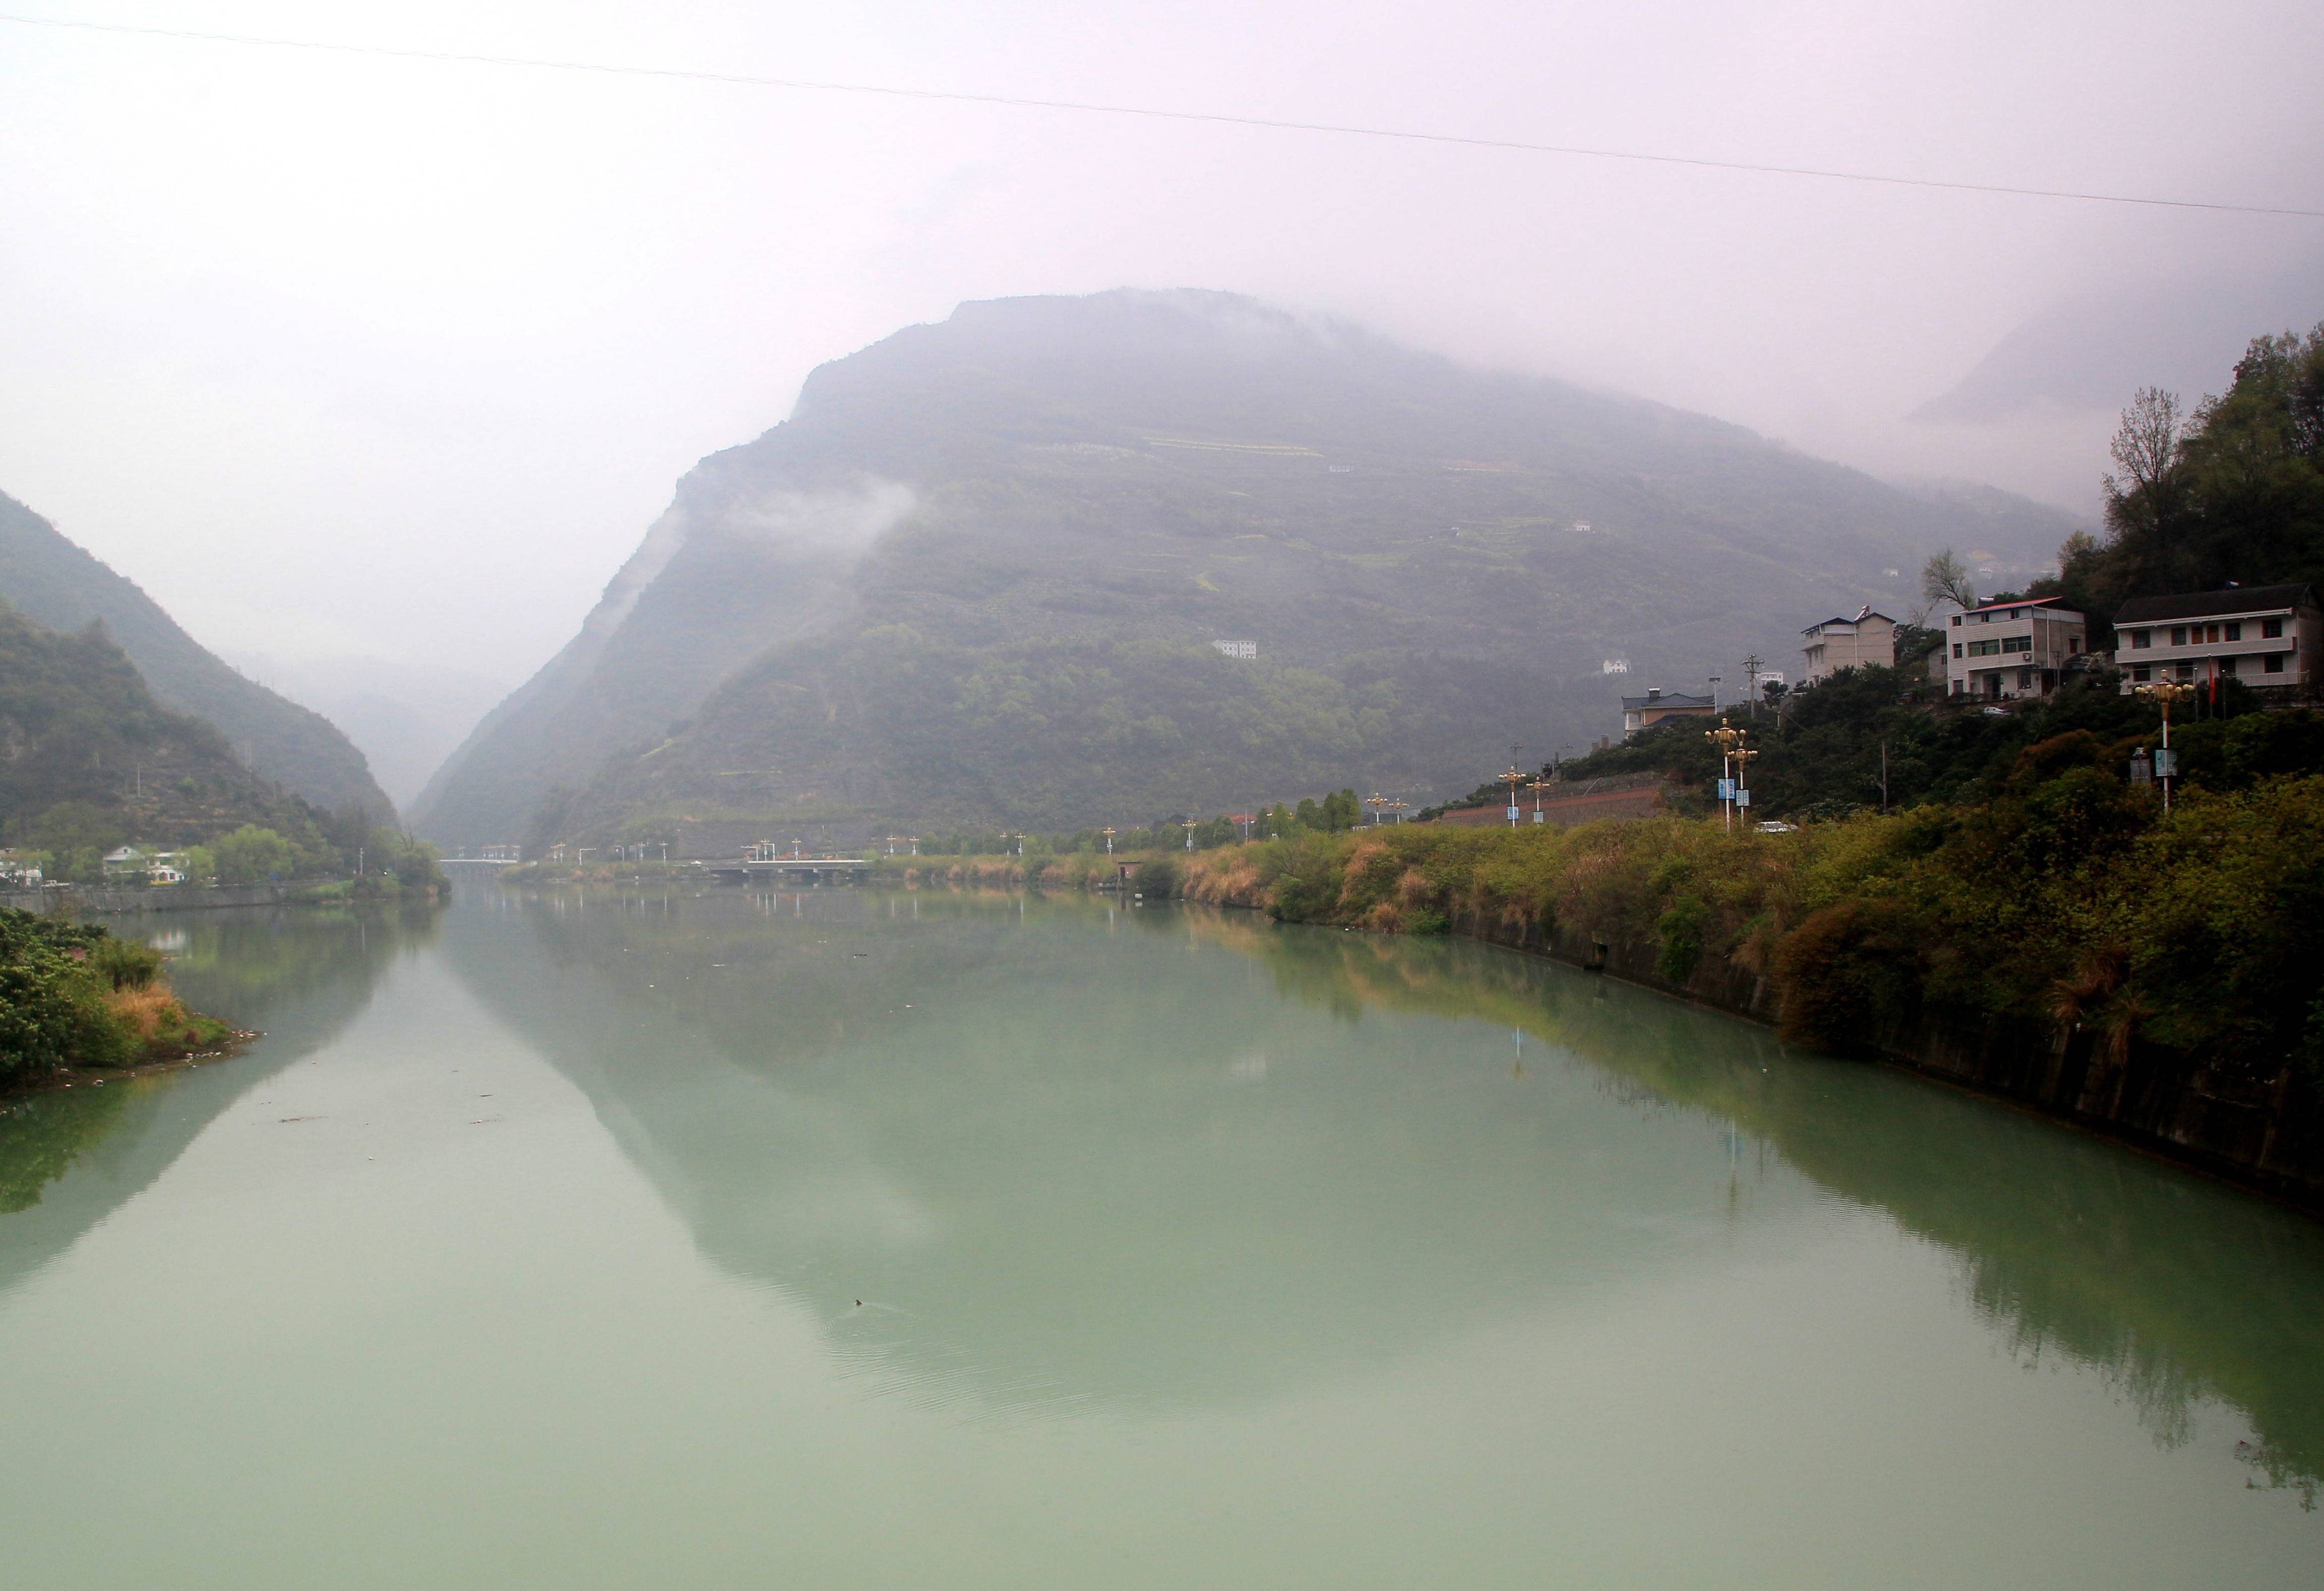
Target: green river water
[858,1239]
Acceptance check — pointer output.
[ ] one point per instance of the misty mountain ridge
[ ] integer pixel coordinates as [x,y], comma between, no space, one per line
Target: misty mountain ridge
[59,585]
[976,577]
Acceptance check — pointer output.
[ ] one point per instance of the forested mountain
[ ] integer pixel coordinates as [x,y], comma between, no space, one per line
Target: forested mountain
[975,578]
[58,584]
[88,759]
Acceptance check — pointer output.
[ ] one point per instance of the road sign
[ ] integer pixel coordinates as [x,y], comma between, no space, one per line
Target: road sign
[1742,797]
[1727,789]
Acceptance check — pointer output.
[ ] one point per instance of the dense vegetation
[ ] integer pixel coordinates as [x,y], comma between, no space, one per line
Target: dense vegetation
[2067,898]
[76,996]
[62,587]
[90,761]
[2233,491]
[973,582]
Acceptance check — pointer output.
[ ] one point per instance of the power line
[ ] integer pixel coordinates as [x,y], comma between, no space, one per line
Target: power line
[1215,118]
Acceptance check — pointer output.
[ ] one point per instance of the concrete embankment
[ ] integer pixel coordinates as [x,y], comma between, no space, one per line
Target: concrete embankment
[76,901]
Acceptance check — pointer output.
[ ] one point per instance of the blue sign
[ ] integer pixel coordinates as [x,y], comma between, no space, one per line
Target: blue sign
[1727,789]
[2166,764]
[1742,797]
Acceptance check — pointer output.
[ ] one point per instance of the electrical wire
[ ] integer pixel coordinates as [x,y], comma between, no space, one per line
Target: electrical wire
[1153,113]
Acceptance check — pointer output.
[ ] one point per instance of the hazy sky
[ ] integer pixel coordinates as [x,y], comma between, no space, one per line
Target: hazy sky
[348,354]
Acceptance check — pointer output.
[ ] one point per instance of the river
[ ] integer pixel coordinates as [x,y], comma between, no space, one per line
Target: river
[857,1240]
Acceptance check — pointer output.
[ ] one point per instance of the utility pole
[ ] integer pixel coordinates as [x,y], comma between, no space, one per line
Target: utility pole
[1751,681]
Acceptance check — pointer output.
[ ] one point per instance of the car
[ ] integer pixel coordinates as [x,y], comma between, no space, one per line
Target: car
[1775,826]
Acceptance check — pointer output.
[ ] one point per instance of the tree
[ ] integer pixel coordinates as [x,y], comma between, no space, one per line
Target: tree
[252,855]
[1944,579]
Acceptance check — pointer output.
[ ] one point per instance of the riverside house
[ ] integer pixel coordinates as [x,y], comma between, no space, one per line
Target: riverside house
[1866,640]
[2267,635]
[1645,712]
[2002,651]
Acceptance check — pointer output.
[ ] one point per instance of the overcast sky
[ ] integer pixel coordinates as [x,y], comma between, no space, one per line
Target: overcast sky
[351,354]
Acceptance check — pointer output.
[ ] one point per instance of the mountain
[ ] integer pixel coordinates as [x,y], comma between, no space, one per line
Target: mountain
[406,718]
[58,584]
[975,579]
[89,758]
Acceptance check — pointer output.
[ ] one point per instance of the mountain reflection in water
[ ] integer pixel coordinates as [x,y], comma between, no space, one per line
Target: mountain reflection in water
[297,978]
[1066,1168]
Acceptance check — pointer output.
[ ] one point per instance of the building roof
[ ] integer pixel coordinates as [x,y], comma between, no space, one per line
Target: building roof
[2018,603]
[2202,604]
[1662,701]
[1863,615]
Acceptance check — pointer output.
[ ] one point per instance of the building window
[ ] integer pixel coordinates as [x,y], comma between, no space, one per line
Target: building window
[2210,635]
[1956,644]
[1984,648]
[2016,643]
[2274,663]
[2025,679]
[2235,631]
[2271,629]
[2226,666]
[2017,612]
[1956,619]
[1959,685]
[2140,639]
[2178,635]
[2140,673]
[2186,671]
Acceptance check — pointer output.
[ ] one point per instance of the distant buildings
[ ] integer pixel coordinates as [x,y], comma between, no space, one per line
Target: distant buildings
[1645,712]
[20,869]
[1235,649]
[2002,651]
[1836,644]
[1615,666]
[2266,636]
[152,867]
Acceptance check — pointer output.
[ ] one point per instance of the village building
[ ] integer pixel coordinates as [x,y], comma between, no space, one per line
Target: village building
[1645,712]
[2266,636]
[20,869]
[2002,651]
[1866,640]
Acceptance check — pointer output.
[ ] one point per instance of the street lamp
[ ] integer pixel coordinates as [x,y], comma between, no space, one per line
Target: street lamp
[1731,756]
[1514,778]
[1188,825]
[1245,819]
[1109,833]
[1376,801]
[2162,693]
[1398,807]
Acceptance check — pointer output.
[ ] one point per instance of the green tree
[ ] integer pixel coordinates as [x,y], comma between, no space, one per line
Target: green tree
[253,855]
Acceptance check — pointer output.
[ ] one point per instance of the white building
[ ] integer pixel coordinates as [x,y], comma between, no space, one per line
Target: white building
[2002,651]
[2267,635]
[1232,648]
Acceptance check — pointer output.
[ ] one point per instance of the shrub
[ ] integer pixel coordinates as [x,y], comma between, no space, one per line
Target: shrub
[1847,974]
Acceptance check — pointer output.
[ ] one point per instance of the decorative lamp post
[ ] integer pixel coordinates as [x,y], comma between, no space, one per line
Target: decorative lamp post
[1108,832]
[1514,778]
[1376,801]
[1729,741]
[1398,807]
[1245,819]
[2162,693]
[1188,825]
[914,841]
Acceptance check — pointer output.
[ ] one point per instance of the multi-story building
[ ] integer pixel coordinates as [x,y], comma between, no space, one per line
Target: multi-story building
[1866,640]
[2002,651]
[2267,635]
[1643,712]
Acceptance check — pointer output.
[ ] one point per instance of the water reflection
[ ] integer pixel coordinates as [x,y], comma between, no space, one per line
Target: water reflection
[2178,1289]
[1066,1157]
[70,1157]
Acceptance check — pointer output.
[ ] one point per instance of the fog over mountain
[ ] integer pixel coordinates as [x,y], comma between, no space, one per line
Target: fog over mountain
[978,576]
[409,384]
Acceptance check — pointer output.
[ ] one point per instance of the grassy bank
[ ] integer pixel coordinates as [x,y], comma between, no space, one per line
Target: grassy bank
[77,998]
[2069,903]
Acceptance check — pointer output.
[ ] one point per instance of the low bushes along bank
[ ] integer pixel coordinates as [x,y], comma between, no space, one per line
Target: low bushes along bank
[77,997]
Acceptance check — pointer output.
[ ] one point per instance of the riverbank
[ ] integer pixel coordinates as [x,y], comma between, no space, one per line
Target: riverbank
[75,900]
[79,1003]
[2068,946]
